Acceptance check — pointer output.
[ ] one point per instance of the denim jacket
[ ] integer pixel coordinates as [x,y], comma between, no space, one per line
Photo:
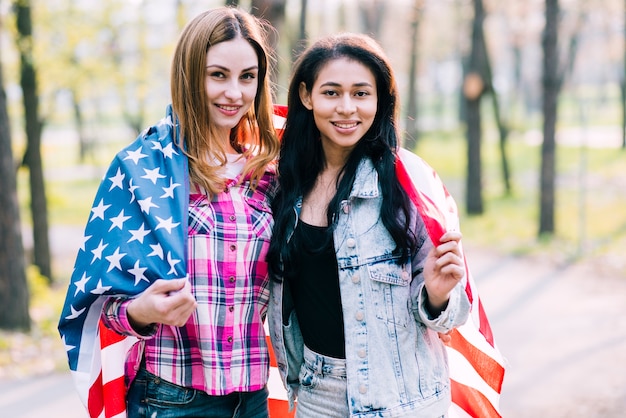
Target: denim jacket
[396,364]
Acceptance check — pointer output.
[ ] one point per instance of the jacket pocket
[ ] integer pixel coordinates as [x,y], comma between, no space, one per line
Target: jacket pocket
[390,292]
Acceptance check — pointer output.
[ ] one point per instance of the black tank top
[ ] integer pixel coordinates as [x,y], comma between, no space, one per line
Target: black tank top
[315,290]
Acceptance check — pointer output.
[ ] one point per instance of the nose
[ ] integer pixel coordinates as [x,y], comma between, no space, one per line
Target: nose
[347,105]
[233,91]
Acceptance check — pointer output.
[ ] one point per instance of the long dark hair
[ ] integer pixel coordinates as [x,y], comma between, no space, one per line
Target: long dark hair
[302,157]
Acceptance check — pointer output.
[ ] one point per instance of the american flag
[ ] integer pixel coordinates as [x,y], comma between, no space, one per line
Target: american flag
[136,234]
[476,365]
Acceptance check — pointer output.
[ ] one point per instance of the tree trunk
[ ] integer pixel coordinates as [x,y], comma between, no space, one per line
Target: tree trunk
[372,17]
[412,130]
[14,298]
[550,98]
[473,90]
[32,157]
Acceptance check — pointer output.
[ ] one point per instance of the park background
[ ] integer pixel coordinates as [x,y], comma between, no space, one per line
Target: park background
[475,77]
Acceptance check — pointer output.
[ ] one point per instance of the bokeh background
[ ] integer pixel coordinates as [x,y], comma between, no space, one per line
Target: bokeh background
[519,105]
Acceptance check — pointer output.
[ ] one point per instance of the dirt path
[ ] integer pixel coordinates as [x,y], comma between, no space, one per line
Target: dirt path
[563,332]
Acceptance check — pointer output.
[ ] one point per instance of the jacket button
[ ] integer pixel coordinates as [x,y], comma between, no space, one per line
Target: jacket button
[359,316]
[361,353]
[362,389]
[405,276]
[346,208]
[356,279]
[351,243]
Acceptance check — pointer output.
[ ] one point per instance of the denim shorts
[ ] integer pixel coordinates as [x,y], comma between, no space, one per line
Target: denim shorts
[323,387]
[150,396]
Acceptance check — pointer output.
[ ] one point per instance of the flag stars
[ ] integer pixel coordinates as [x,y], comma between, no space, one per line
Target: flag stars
[172,262]
[138,273]
[74,313]
[138,234]
[98,211]
[146,204]
[80,284]
[135,155]
[157,250]
[114,260]
[100,290]
[169,191]
[85,239]
[97,252]
[166,224]
[118,221]
[117,179]
[153,175]
[131,189]
[168,151]
[67,346]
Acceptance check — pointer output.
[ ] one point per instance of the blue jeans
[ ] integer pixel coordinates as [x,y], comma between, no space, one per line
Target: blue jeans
[323,390]
[150,396]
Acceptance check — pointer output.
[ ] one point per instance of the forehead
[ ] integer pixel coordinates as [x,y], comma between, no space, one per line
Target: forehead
[235,53]
[345,71]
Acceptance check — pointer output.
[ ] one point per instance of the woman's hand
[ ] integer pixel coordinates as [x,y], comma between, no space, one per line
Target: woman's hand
[443,269]
[168,302]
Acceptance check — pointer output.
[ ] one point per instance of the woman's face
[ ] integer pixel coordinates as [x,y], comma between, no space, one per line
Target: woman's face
[344,102]
[232,70]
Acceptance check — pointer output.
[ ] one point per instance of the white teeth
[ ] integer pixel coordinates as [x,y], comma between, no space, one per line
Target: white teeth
[229,108]
[345,125]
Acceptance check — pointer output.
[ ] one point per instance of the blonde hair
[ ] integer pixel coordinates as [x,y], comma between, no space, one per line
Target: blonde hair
[254,135]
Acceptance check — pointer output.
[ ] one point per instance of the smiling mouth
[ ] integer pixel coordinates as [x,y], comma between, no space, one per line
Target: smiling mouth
[345,125]
[229,108]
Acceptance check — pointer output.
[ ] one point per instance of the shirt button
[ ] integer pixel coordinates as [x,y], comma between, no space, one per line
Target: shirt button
[361,353]
[231,279]
[363,389]
[226,190]
[230,340]
[231,308]
[233,247]
[351,242]
[359,316]
[232,217]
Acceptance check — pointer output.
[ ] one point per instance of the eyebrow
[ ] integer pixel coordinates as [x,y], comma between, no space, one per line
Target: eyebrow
[221,67]
[335,84]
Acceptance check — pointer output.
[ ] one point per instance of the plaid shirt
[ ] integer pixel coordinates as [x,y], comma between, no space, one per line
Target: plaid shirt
[222,348]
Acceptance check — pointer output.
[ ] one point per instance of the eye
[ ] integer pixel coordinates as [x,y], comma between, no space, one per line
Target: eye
[217,74]
[248,76]
[330,93]
[362,93]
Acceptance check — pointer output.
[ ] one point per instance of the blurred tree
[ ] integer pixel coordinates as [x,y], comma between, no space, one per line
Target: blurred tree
[553,78]
[33,125]
[372,13]
[551,86]
[14,298]
[301,41]
[274,12]
[412,129]
[473,90]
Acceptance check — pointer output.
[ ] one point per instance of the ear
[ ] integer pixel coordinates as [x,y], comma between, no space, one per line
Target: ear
[305,96]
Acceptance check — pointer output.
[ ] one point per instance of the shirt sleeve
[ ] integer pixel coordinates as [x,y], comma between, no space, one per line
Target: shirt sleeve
[115,317]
